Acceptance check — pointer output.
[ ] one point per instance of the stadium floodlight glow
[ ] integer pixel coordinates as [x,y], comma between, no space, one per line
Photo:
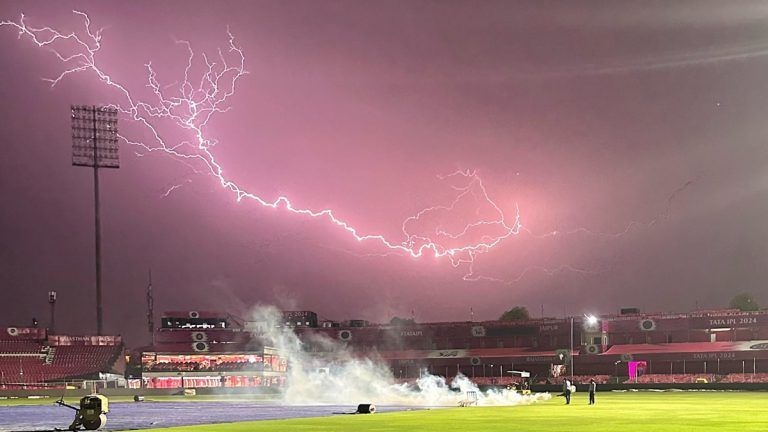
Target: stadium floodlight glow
[94,145]
[591,320]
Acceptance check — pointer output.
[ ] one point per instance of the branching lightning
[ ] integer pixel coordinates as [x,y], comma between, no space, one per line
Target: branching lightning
[666,214]
[191,103]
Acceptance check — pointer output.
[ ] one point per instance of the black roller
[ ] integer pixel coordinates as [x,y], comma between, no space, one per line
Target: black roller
[93,423]
[366,409]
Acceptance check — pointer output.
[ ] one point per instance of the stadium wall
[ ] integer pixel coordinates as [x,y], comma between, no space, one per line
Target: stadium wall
[557,388]
[126,392]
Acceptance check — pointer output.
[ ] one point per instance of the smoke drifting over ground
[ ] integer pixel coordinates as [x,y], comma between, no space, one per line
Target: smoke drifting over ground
[345,377]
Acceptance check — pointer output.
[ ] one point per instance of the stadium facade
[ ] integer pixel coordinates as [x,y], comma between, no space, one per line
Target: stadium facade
[707,344]
[702,345]
[198,349]
[194,349]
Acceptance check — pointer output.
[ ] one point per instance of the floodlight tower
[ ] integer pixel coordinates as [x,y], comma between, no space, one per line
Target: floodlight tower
[52,321]
[151,308]
[94,145]
[570,353]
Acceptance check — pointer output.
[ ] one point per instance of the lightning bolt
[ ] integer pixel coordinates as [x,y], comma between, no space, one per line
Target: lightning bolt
[664,215]
[541,269]
[174,187]
[191,103]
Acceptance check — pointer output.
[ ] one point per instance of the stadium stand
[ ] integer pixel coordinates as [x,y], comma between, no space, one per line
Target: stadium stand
[504,381]
[67,362]
[579,379]
[192,366]
[673,378]
[27,360]
[745,378]
[725,346]
[669,347]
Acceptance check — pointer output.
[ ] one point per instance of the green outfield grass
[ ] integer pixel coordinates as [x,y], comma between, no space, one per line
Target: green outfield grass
[614,412]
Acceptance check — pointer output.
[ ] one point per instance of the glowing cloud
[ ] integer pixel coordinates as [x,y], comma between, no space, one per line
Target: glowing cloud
[441,231]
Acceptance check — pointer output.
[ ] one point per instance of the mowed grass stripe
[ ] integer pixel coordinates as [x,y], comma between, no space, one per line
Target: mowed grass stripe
[614,412]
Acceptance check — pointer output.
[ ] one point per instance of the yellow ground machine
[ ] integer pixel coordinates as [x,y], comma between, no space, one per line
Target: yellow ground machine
[92,413]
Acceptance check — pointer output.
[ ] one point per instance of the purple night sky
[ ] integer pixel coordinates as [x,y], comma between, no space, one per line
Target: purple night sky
[587,116]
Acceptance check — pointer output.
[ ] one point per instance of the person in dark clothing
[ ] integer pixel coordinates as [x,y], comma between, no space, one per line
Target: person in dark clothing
[567,391]
[592,388]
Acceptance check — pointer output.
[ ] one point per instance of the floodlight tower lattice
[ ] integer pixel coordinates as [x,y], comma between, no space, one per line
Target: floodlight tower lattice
[151,308]
[52,319]
[94,145]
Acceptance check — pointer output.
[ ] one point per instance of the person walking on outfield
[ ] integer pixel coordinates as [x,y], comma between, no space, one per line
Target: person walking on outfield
[592,388]
[567,391]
